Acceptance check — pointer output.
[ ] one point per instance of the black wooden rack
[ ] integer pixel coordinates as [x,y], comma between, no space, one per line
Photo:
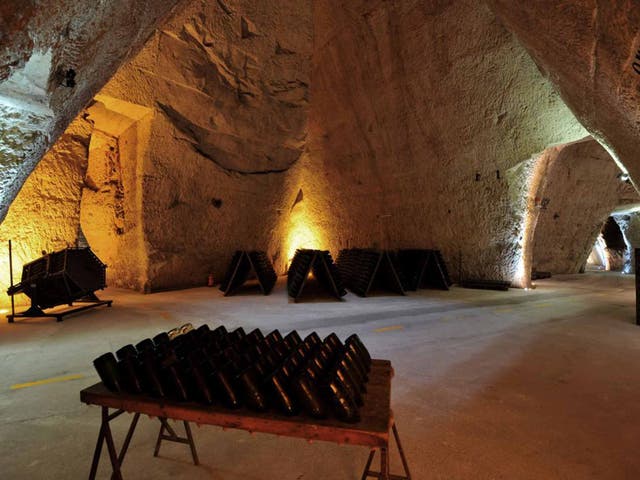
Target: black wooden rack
[245,264]
[365,269]
[324,270]
[422,268]
[64,277]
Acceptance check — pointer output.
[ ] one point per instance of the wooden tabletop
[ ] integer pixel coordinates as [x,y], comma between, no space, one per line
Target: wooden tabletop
[371,431]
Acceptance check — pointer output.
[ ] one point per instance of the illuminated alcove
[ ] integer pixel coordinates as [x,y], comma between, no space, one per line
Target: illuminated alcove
[84,189]
[111,203]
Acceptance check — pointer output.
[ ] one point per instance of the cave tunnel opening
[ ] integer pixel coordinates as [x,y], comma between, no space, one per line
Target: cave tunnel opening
[612,235]
[610,251]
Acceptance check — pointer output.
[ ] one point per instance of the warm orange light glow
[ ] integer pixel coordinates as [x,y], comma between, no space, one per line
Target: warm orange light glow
[71,186]
[45,214]
[21,255]
[302,232]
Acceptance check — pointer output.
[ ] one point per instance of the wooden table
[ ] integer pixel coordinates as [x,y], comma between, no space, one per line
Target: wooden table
[372,431]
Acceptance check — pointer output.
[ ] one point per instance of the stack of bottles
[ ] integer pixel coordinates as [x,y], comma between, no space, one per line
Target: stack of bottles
[289,375]
[321,264]
[301,265]
[365,269]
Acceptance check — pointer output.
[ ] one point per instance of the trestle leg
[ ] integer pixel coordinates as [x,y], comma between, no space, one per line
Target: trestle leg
[384,473]
[105,434]
[365,474]
[173,437]
[405,465]
[96,454]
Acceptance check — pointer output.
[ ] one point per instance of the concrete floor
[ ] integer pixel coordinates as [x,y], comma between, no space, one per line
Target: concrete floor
[541,384]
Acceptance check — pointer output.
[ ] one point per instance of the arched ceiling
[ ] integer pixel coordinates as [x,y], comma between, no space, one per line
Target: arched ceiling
[55,55]
[590,50]
[431,109]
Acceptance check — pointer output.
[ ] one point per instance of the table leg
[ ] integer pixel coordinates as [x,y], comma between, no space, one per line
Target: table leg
[384,464]
[168,427]
[118,459]
[385,467]
[115,464]
[365,474]
[405,465]
[159,440]
[96,454]
[173,437]
[127,441]
[192,445]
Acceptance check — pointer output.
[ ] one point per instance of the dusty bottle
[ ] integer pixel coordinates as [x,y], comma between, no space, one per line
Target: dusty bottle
[107,368]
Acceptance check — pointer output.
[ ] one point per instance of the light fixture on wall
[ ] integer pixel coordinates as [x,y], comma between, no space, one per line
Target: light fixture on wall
[623,176]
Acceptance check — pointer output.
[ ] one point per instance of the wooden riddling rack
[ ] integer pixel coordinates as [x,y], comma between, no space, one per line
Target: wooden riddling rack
[68,276]
[422,268]
[364,270]
[245,265]
[373,431]
[325,271]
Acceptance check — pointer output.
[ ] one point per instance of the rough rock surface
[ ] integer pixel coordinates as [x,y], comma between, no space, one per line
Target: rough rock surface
[228,82]
[590,50]
[111,207]
[55,55]
[46,213]
[293,123]
[629,223]
[423,118]
[580,189]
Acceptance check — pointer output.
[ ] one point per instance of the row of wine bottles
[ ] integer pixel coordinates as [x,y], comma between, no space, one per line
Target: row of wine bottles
[324,269]
[419,268]
[394,270]
[289,375]
[243,265]
[359,269]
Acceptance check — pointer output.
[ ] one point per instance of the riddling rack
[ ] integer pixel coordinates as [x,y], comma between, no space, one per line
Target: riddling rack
[423,269]
[245,264]
[365,269]
[325,271]
[373,431]
[68,276]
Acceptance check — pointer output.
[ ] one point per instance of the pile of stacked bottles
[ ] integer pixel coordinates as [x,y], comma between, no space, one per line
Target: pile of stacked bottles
[288,375]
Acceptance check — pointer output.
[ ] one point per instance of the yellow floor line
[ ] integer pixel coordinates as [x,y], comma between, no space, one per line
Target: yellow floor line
[47,380]
[388,329]
[543,305]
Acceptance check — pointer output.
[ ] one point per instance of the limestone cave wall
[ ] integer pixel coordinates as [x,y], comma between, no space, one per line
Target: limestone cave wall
[424,119]
[228,84]
[629,223]
[293,123]
[55,55]
[590,50]
[46,213]
[582,186]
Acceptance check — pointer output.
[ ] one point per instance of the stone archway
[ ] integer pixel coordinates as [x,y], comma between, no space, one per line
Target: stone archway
[582,186]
